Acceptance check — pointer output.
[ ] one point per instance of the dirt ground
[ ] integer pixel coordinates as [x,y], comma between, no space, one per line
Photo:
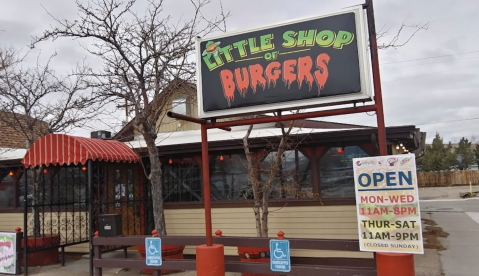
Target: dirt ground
[431,233]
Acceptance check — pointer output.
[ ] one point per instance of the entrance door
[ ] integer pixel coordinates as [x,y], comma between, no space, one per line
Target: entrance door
[124,192]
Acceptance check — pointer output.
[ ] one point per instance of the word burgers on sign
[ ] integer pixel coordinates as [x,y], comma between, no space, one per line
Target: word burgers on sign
[302,63]
[388,204]
[280,258]
[8,255]
[153,251]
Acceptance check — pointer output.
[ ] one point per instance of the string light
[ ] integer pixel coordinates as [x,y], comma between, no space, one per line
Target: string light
[10,174]
[83,168]
[401,145]
[45,171]
[397,147]
[221,158]
[170,162]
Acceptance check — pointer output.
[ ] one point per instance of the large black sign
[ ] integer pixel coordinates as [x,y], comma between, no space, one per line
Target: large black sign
[304,62]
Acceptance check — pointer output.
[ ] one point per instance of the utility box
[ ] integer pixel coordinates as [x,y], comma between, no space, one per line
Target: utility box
[109,225]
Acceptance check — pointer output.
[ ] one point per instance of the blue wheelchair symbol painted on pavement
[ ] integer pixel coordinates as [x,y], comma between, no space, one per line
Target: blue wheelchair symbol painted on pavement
[153,251]
[280,255]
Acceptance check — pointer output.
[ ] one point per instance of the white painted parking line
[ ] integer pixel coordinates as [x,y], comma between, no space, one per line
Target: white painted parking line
[474,216]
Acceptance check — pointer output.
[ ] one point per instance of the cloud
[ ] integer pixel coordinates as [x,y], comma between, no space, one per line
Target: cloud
[414,92]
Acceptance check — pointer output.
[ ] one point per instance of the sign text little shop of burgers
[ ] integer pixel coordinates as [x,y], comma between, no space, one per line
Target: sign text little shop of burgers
[303,63]
[388,204]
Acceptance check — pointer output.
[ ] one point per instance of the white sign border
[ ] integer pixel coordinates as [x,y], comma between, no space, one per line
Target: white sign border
[14,245]
[357,209]
[364,95]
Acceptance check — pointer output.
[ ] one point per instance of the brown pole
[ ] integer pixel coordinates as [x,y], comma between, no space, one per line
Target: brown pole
[206,184]
[191,119]
[296,116]
[387,264]
[378,97]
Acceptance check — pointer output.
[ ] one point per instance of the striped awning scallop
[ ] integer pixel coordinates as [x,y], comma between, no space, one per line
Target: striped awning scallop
[60,149]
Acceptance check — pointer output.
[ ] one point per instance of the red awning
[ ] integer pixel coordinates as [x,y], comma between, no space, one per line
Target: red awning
[59,149]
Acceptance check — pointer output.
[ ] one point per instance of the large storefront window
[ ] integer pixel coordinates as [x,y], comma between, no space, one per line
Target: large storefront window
[181,181]
[293,177]
[7,190]
[336,171]
[229,177]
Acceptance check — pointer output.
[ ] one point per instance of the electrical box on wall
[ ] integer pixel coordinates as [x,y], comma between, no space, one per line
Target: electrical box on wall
[109,225]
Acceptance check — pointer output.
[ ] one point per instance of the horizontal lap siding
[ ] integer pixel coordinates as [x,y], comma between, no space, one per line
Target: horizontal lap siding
[10,221]
[327,222]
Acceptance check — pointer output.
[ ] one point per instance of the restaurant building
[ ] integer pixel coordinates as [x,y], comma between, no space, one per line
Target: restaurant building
[313,194]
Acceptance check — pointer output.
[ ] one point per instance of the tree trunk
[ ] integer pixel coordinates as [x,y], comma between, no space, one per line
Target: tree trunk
[254,182]
[265,213]
[155,178]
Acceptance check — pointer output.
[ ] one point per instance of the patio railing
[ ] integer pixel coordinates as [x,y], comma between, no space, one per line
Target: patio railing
[230,266]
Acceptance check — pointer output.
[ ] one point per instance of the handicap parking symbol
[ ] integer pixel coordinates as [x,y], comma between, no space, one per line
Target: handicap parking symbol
[153,251]
[280,258]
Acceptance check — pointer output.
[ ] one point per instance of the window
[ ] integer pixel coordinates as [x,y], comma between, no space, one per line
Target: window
[181,181]
[179,105]
[293,178]
[229,178]
[7,189]
[336,171]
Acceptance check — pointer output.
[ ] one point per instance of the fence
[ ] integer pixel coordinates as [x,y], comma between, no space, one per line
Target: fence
[450,178]
[230,266]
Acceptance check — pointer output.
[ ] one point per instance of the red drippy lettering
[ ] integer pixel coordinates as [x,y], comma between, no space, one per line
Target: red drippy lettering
[272,73]
[256,74]
[304,71]
[228,84]
[242,80]
[321,75]
[288,72]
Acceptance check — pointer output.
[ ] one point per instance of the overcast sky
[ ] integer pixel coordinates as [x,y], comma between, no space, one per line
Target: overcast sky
[431,82]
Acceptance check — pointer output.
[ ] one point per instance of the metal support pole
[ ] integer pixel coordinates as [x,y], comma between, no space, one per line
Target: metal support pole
[90,213]
[206,185]
[292,117]
[378,97]
[63,255]
[386,264]
[25,221]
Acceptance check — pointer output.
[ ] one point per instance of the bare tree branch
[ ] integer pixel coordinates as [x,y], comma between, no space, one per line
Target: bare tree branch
[146,60]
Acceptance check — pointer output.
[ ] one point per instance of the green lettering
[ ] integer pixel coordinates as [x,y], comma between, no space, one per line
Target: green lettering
[344,38]
[289,39]
[218,60]
[226,51]
[252,46]
[325,38]
[210,65]
[241,46]
[306,38]
[265,42]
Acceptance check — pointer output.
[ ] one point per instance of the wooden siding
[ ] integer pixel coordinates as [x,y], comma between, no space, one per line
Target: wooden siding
[451,178]
[329,222]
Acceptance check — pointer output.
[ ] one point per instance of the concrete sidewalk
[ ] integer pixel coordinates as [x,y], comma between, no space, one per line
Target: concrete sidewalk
[461,256]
